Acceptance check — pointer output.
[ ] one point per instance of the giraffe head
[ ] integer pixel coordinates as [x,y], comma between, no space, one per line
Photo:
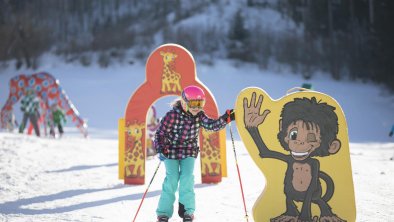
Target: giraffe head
[135,130]
[168,57]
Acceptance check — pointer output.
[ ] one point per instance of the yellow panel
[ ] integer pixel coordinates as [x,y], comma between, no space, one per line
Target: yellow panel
[121,148]
[272,202]
[223,156]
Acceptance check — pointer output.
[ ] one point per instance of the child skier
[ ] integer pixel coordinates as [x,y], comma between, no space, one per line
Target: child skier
[176,142]
[57,119]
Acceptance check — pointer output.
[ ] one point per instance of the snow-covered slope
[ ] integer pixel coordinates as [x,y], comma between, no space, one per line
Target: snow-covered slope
[75,179]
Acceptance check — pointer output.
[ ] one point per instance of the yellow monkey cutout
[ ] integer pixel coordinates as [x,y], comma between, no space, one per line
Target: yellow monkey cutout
[300,143]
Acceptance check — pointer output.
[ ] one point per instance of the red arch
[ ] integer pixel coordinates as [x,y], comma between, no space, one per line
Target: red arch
[151,90]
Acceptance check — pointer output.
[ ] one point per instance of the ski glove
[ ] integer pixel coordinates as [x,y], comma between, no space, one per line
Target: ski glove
[391,134]
[229,115]
[161,157]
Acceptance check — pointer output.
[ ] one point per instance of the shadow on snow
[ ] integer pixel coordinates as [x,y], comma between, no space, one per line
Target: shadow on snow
[82,167]
[19,206]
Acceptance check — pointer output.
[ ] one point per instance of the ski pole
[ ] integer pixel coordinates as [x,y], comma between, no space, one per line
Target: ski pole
[146,191]
[239,174]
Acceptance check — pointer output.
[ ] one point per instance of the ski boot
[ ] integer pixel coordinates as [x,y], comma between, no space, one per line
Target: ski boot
[188,218]
[181,210]
[162,219]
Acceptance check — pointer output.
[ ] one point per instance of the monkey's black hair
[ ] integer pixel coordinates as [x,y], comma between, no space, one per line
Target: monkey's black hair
[310,112]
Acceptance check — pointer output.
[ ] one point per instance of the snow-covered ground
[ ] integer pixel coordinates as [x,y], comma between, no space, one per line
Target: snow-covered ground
[75,179]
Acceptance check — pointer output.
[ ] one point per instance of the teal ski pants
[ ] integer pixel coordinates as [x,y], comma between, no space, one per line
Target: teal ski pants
[177,171]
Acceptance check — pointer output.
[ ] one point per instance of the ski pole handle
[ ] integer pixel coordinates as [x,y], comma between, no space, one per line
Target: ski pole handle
[228,116]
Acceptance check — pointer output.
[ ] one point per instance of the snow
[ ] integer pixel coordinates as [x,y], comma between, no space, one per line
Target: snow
[75,179]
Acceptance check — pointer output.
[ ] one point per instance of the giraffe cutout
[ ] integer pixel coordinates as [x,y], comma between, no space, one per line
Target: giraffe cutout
[210,154]
[169,76]
[135,155]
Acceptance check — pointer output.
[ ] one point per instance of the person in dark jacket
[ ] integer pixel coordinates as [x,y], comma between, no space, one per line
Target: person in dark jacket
[391,131]
[30,108]
[176,142]
[391,134]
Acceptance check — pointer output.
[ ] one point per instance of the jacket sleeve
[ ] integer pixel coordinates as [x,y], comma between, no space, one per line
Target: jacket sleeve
[23,104]
[162,133]
[212,124]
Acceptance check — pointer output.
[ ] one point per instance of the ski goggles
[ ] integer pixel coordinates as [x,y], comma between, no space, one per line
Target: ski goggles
[195,103]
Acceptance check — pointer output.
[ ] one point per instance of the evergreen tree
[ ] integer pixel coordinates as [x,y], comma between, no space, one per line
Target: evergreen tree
[239,44]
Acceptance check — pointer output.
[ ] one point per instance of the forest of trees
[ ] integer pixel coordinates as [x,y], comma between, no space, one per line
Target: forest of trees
[345,38]
[351,37]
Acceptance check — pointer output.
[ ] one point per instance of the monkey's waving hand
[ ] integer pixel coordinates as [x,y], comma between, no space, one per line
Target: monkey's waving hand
[252,116]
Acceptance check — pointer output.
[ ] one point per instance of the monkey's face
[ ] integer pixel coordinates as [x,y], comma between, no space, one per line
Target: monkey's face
[302,139]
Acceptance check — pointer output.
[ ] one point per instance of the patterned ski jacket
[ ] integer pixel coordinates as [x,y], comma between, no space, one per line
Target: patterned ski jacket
[30,104]
[177,136]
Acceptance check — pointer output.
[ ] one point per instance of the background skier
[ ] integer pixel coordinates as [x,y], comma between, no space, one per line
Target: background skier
[391,131]
[391,134]
[58,118]
[152,125]
[29,106]
[11,122]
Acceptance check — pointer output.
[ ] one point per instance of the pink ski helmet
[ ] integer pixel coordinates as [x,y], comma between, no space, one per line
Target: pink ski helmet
[193,96]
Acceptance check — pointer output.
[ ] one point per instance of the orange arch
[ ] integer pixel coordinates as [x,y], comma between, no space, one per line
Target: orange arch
[169,69]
